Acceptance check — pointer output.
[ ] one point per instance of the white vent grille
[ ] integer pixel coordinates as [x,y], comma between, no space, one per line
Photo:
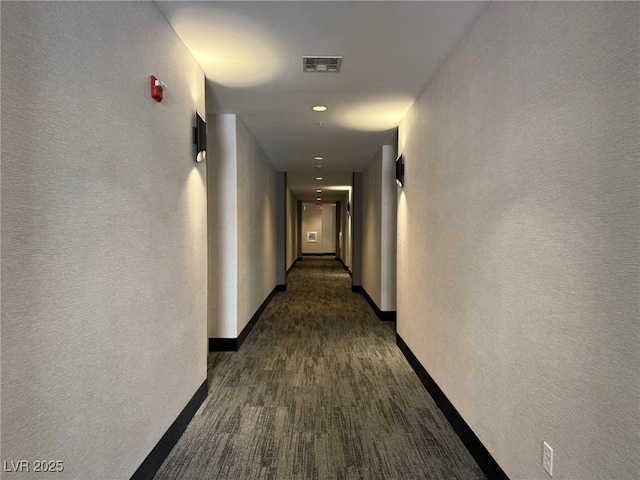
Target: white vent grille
[321,64]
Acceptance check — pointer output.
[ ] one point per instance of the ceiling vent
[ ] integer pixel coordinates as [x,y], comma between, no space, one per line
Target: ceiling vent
[321,64]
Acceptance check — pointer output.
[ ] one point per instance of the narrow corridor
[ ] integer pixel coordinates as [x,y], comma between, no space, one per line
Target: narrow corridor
[319,390]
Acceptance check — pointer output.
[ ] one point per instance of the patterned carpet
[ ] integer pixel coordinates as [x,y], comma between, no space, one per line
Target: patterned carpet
[319,390]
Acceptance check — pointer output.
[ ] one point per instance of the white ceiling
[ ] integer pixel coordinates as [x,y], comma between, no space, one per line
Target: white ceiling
[251,53]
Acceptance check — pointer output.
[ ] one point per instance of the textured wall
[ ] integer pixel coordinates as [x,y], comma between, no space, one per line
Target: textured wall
[389,207]
[242,226]
[372,228]
[379,228]
[329,228]
[223,225]
[103,235]
[347,240]
[256,217]
[293,231]
[342,228]
[344,219]
[324,223]
[311,222]
[281,228]
[518,237]
[355,267]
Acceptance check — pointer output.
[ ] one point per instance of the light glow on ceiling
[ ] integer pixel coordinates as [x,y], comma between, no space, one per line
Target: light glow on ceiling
[227,45]
[319,108]
[318,178]
[319,158]
[338,187]
[375,116]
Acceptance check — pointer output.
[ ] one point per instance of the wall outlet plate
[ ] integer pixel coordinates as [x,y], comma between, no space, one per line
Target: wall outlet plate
[547,458]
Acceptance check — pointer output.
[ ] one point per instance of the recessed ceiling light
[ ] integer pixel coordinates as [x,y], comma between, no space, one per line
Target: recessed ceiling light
[318,198]
[318,178]
[319,108]
[319,158]
[319,190]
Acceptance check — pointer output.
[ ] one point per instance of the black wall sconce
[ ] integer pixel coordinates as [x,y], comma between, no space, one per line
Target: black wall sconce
[400,170]
[200,138]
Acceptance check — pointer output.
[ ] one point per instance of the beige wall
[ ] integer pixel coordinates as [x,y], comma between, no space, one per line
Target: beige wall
[311,222]
[344,248]
[223,224]
[372,228]
[321,221]
[242,226]
[346,222]
[389,230]
[329,228]
[293,230]
[104,247]
[518,242]
[379,197]
[357,229]
[256,191]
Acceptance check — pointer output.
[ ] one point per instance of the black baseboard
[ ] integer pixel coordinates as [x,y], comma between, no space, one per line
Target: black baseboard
[319,254]
[357,288]
[281,288]
[387,316]
[223,344]
[161,451]
[338,259]
[234,344]
[478,451]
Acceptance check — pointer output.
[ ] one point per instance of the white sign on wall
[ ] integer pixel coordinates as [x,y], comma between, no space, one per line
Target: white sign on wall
[312,237]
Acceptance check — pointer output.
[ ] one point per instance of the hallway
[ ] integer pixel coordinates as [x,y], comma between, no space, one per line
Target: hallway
[318,390]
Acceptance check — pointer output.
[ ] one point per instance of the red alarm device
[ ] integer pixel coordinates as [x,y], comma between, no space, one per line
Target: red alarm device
[156,88]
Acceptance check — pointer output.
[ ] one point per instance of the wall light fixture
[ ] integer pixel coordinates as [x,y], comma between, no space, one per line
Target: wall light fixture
[200,138]
[400,170]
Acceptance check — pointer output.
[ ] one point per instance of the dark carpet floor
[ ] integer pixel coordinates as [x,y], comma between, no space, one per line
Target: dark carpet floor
[318,390]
